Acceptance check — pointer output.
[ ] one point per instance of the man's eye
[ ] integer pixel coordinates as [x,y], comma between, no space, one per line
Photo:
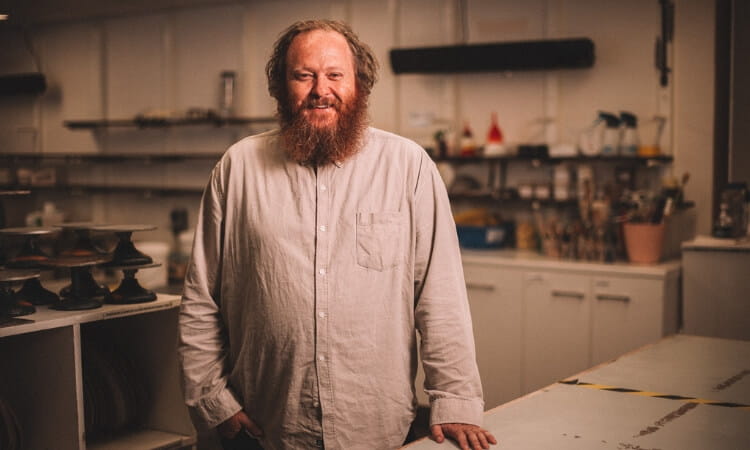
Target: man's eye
[335,76]
[303,76]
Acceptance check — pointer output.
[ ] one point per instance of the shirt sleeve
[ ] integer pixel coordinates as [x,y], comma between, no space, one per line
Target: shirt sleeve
[441,307]
[202,347]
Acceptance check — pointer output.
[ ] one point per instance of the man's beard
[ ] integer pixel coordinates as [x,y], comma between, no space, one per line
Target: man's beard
[318,146]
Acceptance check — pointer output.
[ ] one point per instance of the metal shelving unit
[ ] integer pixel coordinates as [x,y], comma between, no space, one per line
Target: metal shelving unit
[496,189]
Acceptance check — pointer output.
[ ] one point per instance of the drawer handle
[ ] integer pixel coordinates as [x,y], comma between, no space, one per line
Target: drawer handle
[568,294]
[616,298]
[481,287]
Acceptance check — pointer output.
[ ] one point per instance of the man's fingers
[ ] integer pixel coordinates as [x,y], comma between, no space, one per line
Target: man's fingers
[468,437]
[483,440]
[437,433]
[250,426]
[462,441]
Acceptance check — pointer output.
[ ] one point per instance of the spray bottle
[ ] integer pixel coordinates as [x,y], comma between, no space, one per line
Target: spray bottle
[629,142]
[610,135]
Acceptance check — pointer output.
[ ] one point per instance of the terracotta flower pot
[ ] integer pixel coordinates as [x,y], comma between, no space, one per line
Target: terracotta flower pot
[644,242]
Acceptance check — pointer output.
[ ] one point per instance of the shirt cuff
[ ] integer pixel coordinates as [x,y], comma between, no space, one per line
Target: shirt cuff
[218,408]
[456,410]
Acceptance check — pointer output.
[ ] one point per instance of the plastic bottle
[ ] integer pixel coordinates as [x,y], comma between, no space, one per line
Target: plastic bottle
[629,142]
[468,146]
[494,145]
[177,259]
[611,134]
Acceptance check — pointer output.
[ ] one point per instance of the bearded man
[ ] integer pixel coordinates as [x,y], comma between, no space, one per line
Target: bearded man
[321,249]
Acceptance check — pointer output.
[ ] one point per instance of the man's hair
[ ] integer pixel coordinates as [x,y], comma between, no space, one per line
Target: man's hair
[365,64]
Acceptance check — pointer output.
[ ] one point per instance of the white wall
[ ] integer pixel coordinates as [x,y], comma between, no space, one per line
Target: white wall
[170,61]
[694,102]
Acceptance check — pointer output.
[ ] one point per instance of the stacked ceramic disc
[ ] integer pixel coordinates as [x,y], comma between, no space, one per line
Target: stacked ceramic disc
[10,429]
[114,393]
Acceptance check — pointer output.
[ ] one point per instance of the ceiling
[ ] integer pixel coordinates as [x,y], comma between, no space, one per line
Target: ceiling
[36,12]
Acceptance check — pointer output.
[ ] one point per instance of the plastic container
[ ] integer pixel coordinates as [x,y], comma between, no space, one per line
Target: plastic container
[487,237]
[629,143]
[610,142]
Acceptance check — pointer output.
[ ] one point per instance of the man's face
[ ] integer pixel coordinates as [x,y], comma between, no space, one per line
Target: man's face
[320,77]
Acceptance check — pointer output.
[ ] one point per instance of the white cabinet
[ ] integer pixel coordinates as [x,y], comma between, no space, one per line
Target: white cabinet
[541,320]
[556,327]
[628,312]
[496,317]
[716,287]
[42,377]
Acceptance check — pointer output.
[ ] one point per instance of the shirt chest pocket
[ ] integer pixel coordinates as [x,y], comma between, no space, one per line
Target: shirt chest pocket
[380,240]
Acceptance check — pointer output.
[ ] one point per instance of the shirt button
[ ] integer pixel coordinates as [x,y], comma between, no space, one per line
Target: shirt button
[323,187]
[322,315]
[323,228]
[322,357]
[316,404]
[322,271]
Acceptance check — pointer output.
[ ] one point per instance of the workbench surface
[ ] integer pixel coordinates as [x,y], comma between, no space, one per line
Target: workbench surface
[705,404]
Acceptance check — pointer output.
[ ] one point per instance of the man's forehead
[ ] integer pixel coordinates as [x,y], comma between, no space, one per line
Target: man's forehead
[318,40]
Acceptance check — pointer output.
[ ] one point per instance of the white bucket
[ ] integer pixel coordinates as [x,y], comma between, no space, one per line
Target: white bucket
[153,277]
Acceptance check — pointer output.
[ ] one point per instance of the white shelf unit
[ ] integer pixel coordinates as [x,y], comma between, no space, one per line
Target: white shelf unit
[42,377]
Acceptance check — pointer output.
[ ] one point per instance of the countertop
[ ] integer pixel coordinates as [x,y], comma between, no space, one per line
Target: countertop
[532,260]
[719,244]
[683,392]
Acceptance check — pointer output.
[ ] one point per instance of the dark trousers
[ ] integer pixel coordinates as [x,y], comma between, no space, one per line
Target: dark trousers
[241,442]
[419,429]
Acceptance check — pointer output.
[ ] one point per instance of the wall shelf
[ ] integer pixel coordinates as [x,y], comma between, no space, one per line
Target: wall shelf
[83,189]
[94,158]
[62,161]
[139,122]
[496,188]
[635,160]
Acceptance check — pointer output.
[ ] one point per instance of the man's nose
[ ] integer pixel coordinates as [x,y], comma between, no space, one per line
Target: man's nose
[321,87]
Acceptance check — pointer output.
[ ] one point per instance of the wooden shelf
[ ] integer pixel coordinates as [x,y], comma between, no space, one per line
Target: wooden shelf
[506,198]
[640,160]
[94,158]
[146,439]
[46,318]
[80,189]
[166,122]
[47,373]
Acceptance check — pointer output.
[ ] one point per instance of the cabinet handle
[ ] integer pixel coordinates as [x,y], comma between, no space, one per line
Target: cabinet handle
[617,298]
[481,287]
[568,294]
[534,277]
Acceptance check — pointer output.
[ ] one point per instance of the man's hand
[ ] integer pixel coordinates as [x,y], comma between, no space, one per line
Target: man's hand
[232,426]
[468,437]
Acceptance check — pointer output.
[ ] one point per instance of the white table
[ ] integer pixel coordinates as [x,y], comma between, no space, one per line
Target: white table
[582,416]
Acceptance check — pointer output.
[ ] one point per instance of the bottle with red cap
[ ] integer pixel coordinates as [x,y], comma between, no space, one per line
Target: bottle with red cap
[494,145]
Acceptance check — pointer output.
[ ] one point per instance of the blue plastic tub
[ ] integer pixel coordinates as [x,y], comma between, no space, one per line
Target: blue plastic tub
[494,236]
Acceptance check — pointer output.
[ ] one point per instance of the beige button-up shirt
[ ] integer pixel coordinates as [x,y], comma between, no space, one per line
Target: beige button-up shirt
[305,291]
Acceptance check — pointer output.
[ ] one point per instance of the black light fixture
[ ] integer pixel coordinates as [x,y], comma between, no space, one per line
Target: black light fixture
[22,83]
[502,56]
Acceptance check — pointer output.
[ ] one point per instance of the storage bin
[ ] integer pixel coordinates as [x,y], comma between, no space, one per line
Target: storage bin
[478,237]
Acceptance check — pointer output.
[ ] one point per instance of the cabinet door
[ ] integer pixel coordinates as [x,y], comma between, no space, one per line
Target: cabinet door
[495,301]
[556,327]
[626,314]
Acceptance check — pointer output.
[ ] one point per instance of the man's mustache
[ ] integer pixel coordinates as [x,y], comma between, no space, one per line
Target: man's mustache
[318,103]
